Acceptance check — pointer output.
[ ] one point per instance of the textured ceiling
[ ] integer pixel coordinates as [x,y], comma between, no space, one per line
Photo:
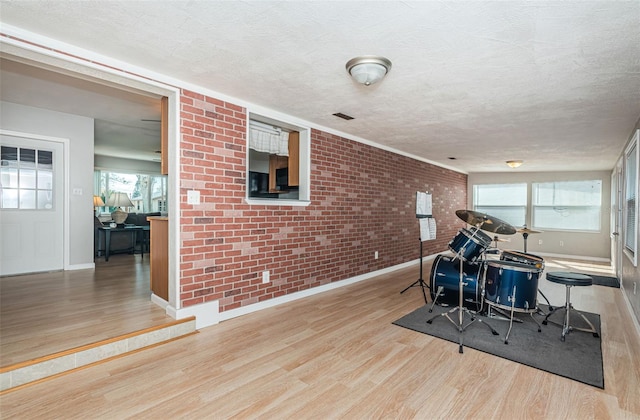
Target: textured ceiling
[556,84]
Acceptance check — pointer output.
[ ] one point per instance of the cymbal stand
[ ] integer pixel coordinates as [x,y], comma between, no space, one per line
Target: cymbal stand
[420,282]
[460,308]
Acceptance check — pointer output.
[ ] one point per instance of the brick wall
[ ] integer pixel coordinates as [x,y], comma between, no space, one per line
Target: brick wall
[362,201]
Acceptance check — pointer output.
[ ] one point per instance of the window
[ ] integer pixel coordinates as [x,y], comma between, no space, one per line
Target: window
[507,202]
[277,162]
[631,200]
[570,205]
[26,178]
[148,193]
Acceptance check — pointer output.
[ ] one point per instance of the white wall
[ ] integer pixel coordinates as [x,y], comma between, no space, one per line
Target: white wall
[630,280]
[127,165]
[79,130]
[580,244]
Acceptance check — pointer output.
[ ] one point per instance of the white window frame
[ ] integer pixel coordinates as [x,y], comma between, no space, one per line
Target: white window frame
[104,210]
[526,190]
[21,167]
[304,189]
[632,148]
[558,229]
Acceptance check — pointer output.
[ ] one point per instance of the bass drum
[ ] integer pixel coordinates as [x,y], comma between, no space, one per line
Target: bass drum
[523,258]
[510,285]
[445,273]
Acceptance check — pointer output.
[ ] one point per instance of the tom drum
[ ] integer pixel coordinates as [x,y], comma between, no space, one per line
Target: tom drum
[470,244]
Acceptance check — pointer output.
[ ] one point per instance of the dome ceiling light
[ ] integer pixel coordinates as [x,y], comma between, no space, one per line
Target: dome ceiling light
[514,163]
[368,69]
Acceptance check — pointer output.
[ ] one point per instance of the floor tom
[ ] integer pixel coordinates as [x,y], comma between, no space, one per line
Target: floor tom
[509,284]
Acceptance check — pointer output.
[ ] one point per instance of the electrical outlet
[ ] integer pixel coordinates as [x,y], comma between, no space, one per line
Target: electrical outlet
[561,243]
[265,277]
[193,197]
[375,255]
[539,241]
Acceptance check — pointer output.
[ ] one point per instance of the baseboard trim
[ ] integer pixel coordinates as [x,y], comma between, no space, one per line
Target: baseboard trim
[574,257]
[206,314]
[160,302]
[233,313]
[72,267]
[632,313]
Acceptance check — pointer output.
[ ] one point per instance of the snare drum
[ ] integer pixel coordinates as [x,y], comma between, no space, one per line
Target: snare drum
[509,284]
[470,244]
[445,272]
[523,258]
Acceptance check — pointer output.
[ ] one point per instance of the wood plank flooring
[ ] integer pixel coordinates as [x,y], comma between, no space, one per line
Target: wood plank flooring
[46,313]
[337,355]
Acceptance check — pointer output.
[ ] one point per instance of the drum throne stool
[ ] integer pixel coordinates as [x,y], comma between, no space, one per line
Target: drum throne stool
[570,280]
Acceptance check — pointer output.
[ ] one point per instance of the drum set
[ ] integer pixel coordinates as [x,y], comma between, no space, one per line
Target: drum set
[482,280]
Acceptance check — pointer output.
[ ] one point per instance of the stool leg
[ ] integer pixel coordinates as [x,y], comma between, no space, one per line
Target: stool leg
[591,328]
[566,327]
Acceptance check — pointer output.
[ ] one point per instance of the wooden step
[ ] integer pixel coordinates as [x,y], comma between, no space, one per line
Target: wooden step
[18,375]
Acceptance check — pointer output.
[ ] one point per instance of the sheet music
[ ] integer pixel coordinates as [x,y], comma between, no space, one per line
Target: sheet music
[427,229]
[432,228]
[424,204]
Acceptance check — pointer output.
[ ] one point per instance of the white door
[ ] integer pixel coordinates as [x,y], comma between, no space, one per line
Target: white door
[31,205]
[616,219]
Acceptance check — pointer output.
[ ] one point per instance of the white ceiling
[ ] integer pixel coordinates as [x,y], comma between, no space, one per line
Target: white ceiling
[126,126]
[554,83]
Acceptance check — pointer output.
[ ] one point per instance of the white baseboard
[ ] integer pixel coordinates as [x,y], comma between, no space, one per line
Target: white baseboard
[574,257]
[160,302]
[630,308]
[206,314]
[85,266]
[315,290]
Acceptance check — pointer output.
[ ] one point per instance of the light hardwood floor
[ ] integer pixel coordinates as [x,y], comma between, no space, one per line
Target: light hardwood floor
[46,313]
[337,355]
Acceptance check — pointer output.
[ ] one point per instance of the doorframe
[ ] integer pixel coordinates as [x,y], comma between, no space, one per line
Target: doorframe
[65,184]
[33,49]
[617,184]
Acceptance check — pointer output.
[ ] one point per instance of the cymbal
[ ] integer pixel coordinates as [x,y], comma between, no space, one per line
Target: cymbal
[485,222]
[527,230]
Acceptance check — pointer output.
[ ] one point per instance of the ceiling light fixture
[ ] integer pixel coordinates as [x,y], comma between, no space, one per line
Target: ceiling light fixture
[368,69]
[514,163]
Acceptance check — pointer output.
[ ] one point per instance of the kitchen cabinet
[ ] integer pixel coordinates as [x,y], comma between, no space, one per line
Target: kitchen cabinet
[291,162]
[159,256]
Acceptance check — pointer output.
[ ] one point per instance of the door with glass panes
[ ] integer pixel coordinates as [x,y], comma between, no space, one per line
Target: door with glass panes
[31,204]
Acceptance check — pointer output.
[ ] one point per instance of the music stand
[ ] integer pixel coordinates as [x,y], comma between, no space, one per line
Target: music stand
[420,282]
[423,214]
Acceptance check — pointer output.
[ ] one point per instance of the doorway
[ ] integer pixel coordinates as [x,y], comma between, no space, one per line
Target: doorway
[106,78]
[617,183]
